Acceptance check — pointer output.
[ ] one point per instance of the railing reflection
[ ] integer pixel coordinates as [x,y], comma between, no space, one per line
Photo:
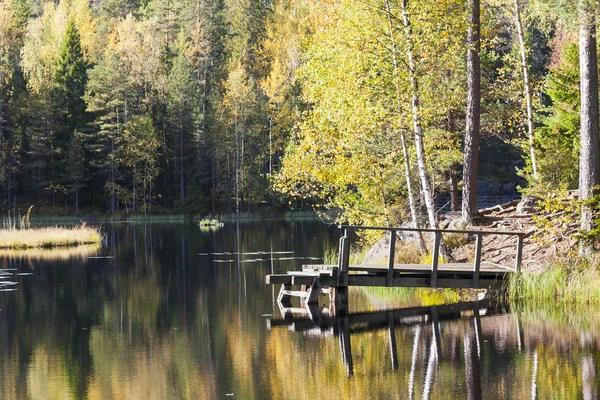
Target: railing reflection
[339,323]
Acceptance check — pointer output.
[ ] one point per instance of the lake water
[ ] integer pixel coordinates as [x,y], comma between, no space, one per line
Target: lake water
[156,314]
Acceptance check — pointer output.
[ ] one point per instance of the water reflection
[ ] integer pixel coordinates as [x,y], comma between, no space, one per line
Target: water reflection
[160,321]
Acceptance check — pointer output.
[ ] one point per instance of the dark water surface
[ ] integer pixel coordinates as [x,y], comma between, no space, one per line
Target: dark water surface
[151,315]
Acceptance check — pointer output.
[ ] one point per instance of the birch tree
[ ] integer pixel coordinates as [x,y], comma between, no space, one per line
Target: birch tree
[526,87]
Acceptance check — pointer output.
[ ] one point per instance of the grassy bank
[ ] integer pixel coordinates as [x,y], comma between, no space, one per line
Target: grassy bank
[49,237]
[573,280]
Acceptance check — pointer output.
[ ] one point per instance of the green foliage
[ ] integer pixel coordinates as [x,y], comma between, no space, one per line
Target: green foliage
[556,219]
[557,140]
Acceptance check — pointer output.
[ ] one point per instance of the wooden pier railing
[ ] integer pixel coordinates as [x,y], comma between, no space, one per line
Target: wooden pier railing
[344,254]
[335,279]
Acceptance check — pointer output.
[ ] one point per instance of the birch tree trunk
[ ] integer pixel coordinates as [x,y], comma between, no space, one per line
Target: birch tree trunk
[409,188]
[471,157]
[588,162]
[418,130]
[527,88]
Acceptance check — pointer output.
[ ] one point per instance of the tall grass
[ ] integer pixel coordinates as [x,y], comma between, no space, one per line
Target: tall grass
[49,237]
[573,280]
[16,221]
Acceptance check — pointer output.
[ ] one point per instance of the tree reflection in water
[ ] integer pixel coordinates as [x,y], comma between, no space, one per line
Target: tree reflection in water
[160,321]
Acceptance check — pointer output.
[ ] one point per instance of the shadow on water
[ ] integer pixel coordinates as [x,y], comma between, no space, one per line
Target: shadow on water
[152,316]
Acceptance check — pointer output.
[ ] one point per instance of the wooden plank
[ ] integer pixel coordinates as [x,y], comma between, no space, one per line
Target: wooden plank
[442,267]
[435,259]
[477,263]
[305,273]
[519,255]
[302,280]
[294,293]
[391,255]
[279,279]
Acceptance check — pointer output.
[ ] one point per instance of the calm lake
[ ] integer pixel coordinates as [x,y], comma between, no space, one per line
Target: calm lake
[172,311]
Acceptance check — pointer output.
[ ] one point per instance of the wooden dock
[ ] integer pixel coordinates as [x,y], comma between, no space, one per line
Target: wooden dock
[315,279]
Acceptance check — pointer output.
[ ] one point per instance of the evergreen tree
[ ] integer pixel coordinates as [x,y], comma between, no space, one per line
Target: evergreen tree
[69,108]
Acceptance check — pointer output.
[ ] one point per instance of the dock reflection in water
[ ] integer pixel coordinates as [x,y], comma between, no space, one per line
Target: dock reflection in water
[458,335]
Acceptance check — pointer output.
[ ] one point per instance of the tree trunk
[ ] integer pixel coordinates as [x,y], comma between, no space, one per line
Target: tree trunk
[77,201]
[454,203]
[181,170]
[407,169]
[588,162]
[212,173]
[471,158]
[237,167]
[418,130]
[528,94]
[411,196]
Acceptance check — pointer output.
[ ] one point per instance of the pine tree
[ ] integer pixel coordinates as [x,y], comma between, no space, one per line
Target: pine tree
[69,108]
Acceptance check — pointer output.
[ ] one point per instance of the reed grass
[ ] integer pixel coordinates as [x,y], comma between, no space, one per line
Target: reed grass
[573,280]
[49,237]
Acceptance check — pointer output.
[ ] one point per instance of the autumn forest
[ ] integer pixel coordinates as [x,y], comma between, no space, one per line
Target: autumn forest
[365,107]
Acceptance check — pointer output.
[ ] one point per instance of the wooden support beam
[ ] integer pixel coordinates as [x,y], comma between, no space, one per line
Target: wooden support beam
[279,279]
[434,260]
[344,260]
[477,263]
[417,281]
[519,256]
[391,256]
[313,292]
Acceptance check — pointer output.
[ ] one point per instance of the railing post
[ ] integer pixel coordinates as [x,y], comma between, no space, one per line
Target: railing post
[477,263]
[344,259]
[434,260]
[519,256]
[392,250]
